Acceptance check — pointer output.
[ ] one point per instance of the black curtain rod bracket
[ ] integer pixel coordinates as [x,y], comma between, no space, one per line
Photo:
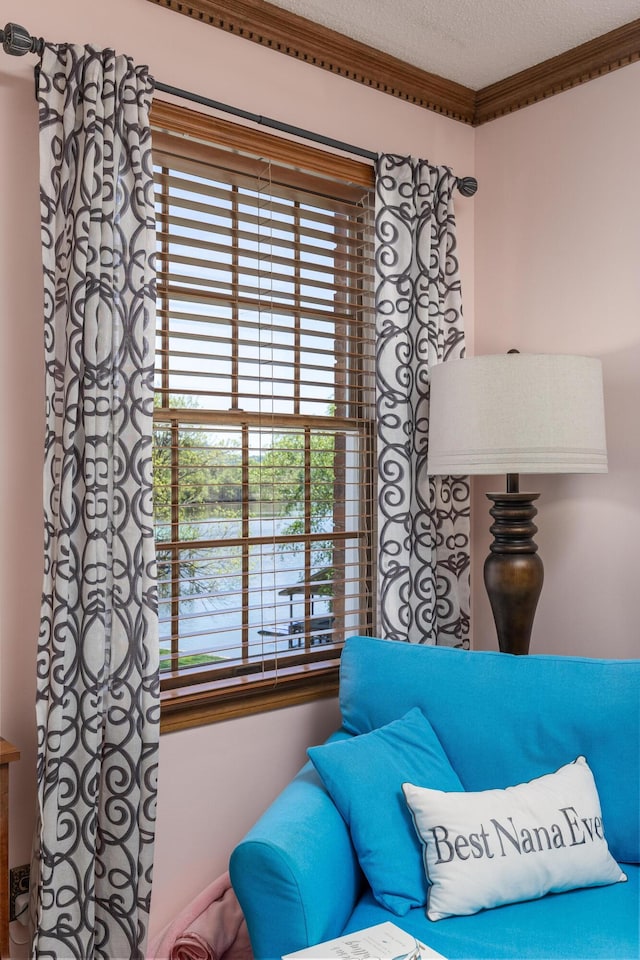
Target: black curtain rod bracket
[16,41]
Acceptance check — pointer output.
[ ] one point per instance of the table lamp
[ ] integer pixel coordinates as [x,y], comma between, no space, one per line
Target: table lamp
[516,413]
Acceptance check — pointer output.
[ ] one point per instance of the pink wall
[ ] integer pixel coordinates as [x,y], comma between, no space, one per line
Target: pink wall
[214,780]
[558,270]
[557,255]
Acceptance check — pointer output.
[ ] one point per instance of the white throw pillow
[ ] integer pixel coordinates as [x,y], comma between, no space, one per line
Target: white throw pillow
[484,849]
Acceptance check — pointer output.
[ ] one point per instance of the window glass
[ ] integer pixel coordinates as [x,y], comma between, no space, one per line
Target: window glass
[263,439]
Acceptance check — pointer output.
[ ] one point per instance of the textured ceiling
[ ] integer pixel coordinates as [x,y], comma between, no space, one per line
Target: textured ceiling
[474,42]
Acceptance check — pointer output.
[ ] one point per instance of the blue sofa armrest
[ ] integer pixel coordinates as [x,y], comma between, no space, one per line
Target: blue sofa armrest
[295,873]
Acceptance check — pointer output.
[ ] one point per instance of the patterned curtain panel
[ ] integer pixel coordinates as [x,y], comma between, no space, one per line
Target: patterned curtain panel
[423,522]
[97,694]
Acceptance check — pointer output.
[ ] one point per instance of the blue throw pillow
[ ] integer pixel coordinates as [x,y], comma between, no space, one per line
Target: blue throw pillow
[364,777]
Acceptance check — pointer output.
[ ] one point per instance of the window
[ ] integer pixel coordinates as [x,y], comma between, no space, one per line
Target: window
[263,420]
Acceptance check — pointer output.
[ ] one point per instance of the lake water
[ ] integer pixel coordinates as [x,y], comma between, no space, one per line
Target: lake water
[211,620]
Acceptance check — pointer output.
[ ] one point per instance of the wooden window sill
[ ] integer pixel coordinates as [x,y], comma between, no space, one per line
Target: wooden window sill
[202,703]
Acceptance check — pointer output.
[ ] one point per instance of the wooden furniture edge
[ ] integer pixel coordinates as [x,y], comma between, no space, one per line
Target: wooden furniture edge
[289,33]
[8,754]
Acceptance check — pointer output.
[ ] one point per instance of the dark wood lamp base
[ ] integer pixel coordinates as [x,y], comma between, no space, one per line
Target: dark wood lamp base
[513,571]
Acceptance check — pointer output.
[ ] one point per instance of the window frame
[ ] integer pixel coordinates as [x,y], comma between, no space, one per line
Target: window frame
[194,696]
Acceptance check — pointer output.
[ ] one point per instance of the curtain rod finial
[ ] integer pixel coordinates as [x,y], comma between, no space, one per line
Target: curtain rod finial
[467,186]
[16,41]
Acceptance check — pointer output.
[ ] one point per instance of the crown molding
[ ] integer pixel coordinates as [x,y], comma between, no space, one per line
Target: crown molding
[298,37]
[592,59]
[288,33]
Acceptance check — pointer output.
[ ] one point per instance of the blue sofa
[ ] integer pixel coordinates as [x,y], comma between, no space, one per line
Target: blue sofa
[501,720]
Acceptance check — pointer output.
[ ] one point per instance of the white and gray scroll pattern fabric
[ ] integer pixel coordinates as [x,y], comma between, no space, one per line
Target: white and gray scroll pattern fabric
[97,705]
[423,522]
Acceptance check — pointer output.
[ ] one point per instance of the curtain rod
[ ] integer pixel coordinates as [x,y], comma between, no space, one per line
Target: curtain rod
[17,41]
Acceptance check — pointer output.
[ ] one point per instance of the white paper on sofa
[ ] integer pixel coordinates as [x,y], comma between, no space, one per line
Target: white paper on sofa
[384,941]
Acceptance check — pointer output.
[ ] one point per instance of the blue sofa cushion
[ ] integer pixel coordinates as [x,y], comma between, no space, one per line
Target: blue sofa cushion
[364,777]
[600,923]
[496,735]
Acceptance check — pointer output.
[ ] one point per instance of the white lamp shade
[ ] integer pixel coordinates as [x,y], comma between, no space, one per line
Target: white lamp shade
[517,413]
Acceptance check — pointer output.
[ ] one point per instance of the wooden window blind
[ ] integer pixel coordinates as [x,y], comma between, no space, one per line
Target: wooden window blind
[263,420]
